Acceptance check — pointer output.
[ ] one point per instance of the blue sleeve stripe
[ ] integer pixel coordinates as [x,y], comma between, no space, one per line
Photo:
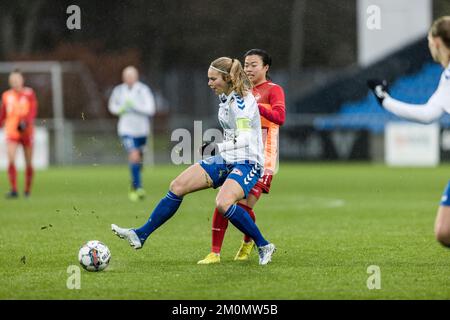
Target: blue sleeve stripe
[240,102]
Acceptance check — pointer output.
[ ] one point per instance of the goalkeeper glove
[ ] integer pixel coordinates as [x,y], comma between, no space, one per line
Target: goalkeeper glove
[22,126]
[208,149]
[379,89]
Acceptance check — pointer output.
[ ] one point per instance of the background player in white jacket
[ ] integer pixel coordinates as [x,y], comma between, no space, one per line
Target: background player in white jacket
[437,105]
[134,103]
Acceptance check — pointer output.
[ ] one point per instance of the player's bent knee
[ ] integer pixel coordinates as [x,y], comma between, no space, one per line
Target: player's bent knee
[134,157]
[223,205]
[177,188]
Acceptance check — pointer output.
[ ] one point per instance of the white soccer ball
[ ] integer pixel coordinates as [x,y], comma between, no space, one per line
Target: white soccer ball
[94,256]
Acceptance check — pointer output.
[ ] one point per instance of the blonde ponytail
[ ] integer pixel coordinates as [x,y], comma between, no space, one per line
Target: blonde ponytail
[241,83]
[232,71]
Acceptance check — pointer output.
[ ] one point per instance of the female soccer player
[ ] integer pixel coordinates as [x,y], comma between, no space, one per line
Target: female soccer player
[439,45]
[17,113]
[236,168]
[271,104]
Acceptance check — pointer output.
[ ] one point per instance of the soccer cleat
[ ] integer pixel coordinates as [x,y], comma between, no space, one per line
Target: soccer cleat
[265,253]
[133,196]
[244,251]
[141,193]
[12,195]
[211,258]
[128,234]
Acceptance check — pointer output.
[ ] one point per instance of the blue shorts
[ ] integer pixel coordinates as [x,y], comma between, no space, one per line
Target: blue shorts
[445,200]
[133,143]
[245,173]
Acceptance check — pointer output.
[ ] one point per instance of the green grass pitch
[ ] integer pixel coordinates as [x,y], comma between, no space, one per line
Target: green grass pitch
[330,222]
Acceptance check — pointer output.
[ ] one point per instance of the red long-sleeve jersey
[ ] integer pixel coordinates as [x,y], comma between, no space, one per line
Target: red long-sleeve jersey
[272,108]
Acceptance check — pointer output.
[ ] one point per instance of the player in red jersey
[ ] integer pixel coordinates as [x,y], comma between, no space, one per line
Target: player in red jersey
[17,112]
[271,104]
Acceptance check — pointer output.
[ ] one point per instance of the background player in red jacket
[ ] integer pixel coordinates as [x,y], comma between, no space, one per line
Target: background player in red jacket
[17,113]
[271,104]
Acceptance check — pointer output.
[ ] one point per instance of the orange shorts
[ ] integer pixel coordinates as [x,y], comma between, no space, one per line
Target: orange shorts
[25,140]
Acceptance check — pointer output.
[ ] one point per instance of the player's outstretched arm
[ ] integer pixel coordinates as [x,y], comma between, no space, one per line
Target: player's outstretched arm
[426,113]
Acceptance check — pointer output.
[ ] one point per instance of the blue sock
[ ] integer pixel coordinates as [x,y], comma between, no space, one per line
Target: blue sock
[241,220]
[165,209]
[135,169]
